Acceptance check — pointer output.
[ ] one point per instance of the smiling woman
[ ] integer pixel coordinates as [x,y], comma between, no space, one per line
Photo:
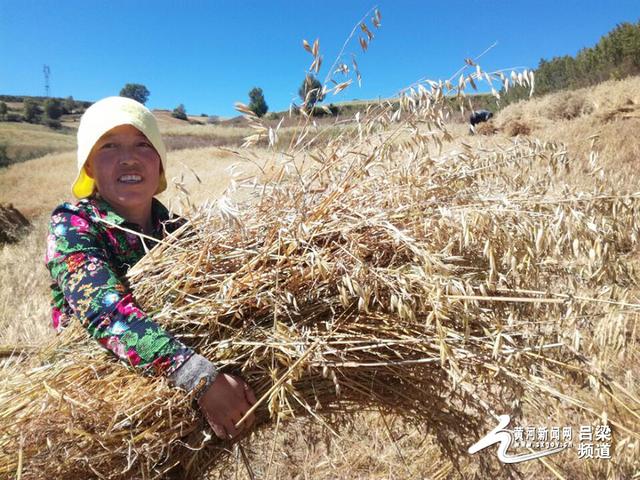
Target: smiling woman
[92,244]
[126,170]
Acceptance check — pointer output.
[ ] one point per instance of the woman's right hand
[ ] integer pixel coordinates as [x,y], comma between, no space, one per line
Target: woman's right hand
[224,403]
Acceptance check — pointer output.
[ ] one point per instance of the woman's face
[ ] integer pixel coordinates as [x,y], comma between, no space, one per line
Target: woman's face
[125,167]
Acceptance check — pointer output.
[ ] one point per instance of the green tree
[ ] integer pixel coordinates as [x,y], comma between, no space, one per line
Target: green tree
[179,112]
[53,108]
[615,56]
[137,91]
[257,103]
[31,111]
[310,92]
[3,110]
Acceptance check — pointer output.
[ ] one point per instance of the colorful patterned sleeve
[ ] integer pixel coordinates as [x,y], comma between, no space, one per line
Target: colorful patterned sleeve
[79,263]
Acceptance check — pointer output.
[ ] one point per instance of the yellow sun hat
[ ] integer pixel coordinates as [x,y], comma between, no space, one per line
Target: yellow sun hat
[105,115]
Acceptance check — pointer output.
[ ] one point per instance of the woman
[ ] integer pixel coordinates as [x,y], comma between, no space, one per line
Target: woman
[92,244]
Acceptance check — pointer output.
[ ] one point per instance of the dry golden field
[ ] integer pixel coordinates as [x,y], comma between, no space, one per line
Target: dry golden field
[597,128]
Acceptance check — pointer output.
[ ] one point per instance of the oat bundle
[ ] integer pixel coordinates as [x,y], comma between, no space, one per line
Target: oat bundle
[444,288]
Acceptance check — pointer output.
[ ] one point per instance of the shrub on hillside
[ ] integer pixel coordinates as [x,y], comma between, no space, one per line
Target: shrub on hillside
[3,110]
[318,110]
[52,123]
[31,111]
[179,112]
[13,117]
[5,160]
[53,108]
[324,110]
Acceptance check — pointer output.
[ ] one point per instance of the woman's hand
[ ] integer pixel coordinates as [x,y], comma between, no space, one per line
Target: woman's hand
[224,403]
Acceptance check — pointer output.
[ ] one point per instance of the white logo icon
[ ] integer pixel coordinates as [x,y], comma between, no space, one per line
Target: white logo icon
[504,438]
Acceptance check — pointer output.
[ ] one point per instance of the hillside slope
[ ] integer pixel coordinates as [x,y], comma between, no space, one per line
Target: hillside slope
[609,111]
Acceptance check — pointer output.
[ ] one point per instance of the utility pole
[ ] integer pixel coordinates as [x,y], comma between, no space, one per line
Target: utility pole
[47,71]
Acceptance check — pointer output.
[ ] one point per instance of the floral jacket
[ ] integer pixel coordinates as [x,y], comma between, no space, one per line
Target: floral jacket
[88,260]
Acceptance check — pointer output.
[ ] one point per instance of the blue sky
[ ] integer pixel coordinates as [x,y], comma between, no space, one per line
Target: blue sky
[209,54]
